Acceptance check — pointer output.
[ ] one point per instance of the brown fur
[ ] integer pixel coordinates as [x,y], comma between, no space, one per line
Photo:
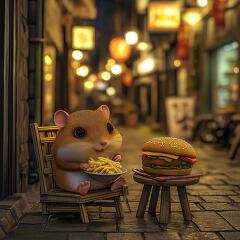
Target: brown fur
[70,152]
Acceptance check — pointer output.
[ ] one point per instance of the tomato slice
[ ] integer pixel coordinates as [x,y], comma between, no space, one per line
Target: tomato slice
[188,159]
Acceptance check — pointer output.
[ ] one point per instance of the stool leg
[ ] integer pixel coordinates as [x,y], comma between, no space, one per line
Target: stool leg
[143,201]
[182,193]
[154,200]
[118,206]
[165,205]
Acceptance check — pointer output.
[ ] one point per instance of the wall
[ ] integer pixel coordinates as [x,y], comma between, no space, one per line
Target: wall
[22,109]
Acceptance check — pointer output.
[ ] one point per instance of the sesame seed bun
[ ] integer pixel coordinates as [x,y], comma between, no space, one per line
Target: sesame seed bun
[169,145]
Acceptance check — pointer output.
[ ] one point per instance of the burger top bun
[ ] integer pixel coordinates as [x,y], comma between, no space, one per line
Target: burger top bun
[169,145]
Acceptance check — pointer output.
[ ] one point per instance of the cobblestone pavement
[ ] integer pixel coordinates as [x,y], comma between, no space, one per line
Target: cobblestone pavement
[214,203]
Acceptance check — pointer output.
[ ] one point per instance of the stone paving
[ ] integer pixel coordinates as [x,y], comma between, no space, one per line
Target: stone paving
[214,203]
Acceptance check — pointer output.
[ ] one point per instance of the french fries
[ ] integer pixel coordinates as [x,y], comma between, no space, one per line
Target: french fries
[104,165]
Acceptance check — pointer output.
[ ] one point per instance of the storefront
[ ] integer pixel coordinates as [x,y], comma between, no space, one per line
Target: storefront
[225,76]
[218,71]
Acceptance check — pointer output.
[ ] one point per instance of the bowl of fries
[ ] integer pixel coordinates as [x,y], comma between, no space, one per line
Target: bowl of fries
[105,170]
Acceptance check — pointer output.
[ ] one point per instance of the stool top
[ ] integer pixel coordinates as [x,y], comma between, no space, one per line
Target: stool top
[179,182]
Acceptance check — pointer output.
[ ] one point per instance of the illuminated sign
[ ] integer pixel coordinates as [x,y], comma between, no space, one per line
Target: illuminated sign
[83,37]
[164,16]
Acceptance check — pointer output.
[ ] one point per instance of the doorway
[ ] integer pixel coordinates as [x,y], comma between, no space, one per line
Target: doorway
[225,80]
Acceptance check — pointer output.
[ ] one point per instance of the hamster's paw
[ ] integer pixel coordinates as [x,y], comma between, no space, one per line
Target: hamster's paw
[117,158]
[83,187]
[118,184]
[84,166]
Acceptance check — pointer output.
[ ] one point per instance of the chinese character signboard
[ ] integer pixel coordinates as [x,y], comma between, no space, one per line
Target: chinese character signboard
[183,42]
[180,113]
[83,37]
[218,13]
[163,16]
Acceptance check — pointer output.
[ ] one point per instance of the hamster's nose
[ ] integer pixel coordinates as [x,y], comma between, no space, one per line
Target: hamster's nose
[103,142]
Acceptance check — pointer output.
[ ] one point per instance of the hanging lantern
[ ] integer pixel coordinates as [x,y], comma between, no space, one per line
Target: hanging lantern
[127,78]
[119,49]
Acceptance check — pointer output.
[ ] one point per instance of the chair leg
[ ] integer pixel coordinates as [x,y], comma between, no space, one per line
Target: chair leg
[153,200]
[118,206]
[83,213]
[44,208]
[165,205]
[182,193]
[143,201]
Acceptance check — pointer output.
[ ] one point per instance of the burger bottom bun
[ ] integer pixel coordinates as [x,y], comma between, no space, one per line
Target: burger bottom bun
[168,172]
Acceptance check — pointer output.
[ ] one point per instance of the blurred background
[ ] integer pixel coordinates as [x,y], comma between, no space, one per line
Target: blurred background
[168,66]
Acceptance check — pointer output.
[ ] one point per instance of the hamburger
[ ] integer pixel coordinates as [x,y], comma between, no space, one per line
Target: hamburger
[168,156]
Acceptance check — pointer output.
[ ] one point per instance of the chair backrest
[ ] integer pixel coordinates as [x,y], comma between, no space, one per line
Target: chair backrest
[43,138]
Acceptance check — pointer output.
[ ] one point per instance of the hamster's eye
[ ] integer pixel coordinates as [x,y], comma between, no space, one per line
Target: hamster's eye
[79,132]
[110,128]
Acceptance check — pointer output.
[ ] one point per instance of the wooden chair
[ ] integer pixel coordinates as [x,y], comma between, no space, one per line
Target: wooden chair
[55,200]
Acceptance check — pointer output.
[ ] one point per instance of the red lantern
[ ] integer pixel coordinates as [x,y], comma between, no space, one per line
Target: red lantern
[218,13]
[127,78]
[183,42]
[119,49]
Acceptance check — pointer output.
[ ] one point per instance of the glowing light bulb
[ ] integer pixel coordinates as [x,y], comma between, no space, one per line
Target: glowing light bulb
[48,77]
[47,60]
[236,70]
[89,85]
[192,17]
[77,55]
[143,46]
[110,91]
[116,69]
[146,65]
[131,37]
[106,76]
[202,3]
[82,71]
[177,63]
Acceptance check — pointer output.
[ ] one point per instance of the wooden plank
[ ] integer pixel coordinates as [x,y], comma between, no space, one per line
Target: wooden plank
[48,128]
[165,205]
[143,201]
[154,200]
[182,193]
[83,213]
[47,139]
[49,157]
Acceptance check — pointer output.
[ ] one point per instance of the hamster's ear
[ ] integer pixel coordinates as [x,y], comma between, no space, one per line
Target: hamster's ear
[105,111]
[60,118]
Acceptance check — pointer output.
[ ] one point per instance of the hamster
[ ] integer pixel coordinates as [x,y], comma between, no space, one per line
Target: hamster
[84,134]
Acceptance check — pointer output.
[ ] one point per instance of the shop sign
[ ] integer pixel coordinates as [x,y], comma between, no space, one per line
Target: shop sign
[83,37]
[218,13]
[119,49]
[164,16]
[180,115]
[183,42]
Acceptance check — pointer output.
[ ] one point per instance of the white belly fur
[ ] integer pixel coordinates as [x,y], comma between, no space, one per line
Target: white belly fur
[70,180]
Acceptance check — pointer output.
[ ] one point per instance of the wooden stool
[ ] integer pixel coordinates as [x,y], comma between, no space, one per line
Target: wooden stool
[153,187]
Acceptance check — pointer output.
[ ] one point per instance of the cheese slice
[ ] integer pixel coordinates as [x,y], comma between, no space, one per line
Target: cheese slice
[161,154]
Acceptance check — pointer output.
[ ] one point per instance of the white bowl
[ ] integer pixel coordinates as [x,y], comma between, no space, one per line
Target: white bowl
[107,178]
